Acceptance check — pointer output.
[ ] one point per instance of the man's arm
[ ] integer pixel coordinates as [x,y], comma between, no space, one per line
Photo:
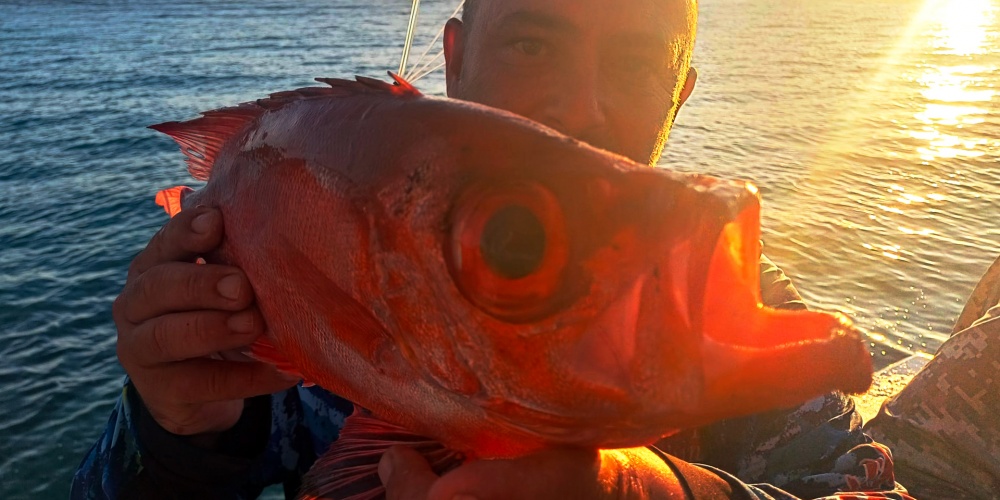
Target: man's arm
[136,458]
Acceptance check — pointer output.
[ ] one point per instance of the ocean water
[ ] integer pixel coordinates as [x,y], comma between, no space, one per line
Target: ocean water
[871,126]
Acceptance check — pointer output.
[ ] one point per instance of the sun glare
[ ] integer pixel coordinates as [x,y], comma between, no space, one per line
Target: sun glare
[935,90]
[959,30]
[964,24]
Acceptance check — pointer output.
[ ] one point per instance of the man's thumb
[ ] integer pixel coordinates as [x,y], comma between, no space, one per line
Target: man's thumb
[405,474]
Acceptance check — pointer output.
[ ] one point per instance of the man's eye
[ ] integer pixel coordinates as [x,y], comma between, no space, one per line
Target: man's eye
[528,47]
[526,52]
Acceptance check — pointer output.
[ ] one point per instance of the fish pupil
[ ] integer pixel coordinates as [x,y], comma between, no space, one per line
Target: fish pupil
[513,242]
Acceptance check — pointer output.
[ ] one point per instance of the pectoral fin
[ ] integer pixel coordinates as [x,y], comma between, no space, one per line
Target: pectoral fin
[349,470]
[170,199]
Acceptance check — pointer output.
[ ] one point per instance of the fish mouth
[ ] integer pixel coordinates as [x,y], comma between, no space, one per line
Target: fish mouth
[756,358]
[726,305]
[706,348]
[731,276]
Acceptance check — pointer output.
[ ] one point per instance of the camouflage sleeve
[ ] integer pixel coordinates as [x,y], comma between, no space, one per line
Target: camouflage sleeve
[705,481]
[944,426]
[113,461]
[813,451]
[776,289]
[135,458]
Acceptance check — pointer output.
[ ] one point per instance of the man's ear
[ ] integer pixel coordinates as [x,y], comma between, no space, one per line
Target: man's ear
[692,78]
[454,50]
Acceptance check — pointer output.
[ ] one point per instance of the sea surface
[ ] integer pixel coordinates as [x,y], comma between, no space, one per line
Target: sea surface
[871,126]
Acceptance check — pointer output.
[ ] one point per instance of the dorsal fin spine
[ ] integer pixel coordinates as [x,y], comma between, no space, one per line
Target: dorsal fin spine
[406,87]
[401,87]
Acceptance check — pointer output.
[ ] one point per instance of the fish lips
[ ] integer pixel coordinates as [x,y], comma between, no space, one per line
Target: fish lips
[751,358]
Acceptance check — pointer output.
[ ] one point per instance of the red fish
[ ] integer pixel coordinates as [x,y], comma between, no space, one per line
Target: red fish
[469,275]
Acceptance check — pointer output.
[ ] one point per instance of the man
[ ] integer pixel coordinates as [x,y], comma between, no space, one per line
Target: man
[610,73]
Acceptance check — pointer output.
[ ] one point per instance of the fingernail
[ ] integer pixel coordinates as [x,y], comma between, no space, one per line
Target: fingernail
[229,287]
[385,466]
[242,322]
[202,223]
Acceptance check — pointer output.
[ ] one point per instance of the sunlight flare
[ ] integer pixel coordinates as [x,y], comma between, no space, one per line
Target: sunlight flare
[964,24]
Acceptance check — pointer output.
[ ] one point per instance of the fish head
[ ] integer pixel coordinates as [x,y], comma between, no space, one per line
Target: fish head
[576,297]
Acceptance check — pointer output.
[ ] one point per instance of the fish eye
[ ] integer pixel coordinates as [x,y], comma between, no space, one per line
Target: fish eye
[513,242]
[508,250]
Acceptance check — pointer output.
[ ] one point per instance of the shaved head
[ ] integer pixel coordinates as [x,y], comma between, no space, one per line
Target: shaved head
[687,8]
[610,73]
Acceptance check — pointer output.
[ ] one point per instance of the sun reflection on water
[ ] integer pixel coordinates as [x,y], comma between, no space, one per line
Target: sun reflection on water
[955,95]
[963,24]
[933,102]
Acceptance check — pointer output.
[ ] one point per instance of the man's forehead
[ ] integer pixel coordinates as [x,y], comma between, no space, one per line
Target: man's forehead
[666,17]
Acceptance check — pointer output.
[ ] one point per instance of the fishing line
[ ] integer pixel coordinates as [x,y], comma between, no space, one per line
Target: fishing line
[410,29]
[423,69]
[435,68]
[437,37]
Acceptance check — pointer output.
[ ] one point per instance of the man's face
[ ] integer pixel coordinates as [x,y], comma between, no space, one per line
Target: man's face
[608,72]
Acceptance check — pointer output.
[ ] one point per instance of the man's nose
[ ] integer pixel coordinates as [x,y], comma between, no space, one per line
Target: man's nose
[577,109]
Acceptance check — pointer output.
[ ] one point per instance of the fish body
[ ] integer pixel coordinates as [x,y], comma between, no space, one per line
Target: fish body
[475,277]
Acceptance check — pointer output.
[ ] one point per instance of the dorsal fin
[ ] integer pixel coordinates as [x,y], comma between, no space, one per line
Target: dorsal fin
[201,139]
[400,87]
[349,470]
[406,86]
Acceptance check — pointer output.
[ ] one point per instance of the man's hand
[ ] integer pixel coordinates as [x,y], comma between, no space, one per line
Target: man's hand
[634,473]
[174,314]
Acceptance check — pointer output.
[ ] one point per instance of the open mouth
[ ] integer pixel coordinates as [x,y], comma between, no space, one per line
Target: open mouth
[755,357]
[730,310]
[715,273]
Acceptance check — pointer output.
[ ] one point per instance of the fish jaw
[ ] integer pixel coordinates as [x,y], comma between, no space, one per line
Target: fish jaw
[749,357]
[757,358]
